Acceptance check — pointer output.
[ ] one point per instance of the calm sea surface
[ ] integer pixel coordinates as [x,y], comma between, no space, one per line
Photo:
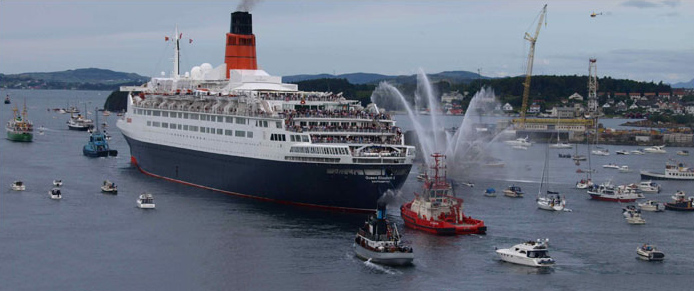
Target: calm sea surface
[202,240]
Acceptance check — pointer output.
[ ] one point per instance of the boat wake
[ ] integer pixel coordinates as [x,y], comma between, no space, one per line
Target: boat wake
[379,268]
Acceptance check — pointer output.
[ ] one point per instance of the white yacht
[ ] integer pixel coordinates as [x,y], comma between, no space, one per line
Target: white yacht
[145,201]
[633,215]
[624,169]
[530,253]
[622,152]
[519,142]
[651,205]
[600,152]
[655,150]
[637,152]
[649,253]
[55,194]
[57,183]
[610,166]
[649,187]
[18,186]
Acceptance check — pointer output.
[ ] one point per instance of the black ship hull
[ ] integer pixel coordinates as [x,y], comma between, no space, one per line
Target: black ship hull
[343,187]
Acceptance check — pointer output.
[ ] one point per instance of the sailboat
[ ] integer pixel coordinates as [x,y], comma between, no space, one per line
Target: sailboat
[560,145]
[587,182]
[578,157]
[551,200]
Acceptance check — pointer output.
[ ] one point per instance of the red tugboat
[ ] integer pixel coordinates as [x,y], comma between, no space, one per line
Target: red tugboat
[436,210]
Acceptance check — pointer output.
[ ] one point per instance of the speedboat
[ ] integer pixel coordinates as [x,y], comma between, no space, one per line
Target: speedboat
[379,241]
[585,184]
[18,186]
[683,153]
[513,191]
[519,142]
[649,253]
[651,205]
[469,184]
[680,203]
[624,169]
[145,201]
[621,152]
[109,187]
[490,192]
[655,150]
[436,209]
[633,215]
[55,193]
[610,166]
[637,152]
[600,152]
[649,187]
[57,183]
[530,253]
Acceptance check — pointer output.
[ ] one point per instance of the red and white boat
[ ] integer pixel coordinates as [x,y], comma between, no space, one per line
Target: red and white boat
[608,192]
[436,210]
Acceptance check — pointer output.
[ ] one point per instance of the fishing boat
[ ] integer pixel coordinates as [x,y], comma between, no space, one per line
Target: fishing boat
[655,149]
[530,253]
[632,215]
[237,130]
[436,210]
[145,201]
[680,202]
[379,241]
[551,200]
[608,192]
[20,128]
[18,186]
[57,183]
[55,193]
[651,205]
[109,187]
[513,191]
[490,192]
[649,252]
[673,171]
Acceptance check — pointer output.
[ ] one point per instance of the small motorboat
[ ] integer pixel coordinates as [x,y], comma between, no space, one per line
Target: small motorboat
[379,241]
[624,169]
[109,187]
[530,253]
[649,187]
[622,152]
[651,205]
[564,156]
[655,150]
[638,152]
[585,184]
[422,176]
[610,166]
[18,186]
[649,252]
[519,142]
[469,184]
[633,215]
[683,153]
[145,201]
[600,152]
[513,191]
[55,193]
[57,183]
[490,192]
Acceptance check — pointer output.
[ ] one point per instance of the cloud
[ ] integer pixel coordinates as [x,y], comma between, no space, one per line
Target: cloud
[641,4]
[671,3]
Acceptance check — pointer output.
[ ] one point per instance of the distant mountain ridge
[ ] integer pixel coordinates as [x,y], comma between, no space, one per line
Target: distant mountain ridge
[82,79]
[689,84]
[370,78]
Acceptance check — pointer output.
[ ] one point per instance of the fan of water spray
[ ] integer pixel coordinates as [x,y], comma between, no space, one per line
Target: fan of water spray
[463,146]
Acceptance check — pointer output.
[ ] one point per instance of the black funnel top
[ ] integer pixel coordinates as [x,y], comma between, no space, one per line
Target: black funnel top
[241,23]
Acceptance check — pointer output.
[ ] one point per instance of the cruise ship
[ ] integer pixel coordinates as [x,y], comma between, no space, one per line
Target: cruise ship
[236,129]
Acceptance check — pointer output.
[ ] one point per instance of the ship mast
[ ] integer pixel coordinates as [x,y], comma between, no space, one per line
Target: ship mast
[177,53]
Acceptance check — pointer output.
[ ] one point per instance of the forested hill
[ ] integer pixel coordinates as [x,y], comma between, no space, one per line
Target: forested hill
[82,79]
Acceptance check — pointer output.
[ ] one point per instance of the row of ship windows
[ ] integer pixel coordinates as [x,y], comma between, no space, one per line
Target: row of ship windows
[202,129]
[205,117]
[319,150]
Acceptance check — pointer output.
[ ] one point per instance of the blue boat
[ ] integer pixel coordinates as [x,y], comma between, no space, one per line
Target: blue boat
[97,146]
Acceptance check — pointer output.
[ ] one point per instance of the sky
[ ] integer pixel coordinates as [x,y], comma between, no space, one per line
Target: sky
[644,40]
